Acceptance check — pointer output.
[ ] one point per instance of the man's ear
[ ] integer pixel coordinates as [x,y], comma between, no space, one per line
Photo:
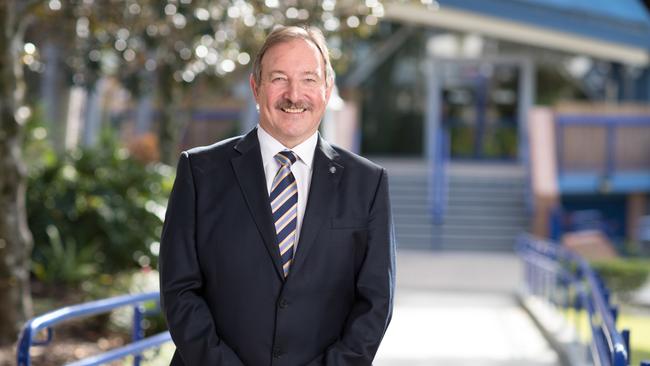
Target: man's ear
[253,84]
[328,91]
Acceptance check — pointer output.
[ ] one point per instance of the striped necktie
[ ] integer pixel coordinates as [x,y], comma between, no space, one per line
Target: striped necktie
[284,205]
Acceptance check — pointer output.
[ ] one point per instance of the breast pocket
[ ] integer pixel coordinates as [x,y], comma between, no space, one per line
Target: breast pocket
[347,245]
[349,234]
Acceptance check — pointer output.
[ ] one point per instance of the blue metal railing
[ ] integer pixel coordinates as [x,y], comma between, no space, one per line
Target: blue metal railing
[440,181]
[28,337]
[566,279]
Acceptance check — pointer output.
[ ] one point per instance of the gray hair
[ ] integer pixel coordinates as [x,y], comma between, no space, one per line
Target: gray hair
[283,34]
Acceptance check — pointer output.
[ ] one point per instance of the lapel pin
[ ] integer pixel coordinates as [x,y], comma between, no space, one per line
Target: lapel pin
[332,170]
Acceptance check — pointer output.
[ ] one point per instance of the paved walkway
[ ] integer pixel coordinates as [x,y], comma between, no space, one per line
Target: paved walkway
[457,309]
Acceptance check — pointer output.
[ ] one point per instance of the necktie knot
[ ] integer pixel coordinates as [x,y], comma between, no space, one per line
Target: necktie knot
[286,158]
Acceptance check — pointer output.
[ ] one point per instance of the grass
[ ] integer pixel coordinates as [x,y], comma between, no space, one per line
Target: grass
[637,323]
[639,326]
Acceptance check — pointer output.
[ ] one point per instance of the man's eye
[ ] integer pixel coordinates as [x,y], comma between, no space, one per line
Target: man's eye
[278,79]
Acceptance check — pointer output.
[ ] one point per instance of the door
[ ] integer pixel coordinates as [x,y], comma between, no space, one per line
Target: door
[480,106]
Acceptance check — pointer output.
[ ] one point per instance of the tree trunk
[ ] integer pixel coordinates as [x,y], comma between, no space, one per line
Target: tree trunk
[15,237]
[92,126]
[169,126]
[52,83]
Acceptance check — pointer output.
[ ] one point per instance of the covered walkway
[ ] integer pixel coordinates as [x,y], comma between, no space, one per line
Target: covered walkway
[459,308]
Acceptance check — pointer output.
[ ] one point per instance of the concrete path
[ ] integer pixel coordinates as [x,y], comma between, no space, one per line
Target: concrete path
[457,309]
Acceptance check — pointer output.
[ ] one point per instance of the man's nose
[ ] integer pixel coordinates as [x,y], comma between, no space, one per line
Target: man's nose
[293,91]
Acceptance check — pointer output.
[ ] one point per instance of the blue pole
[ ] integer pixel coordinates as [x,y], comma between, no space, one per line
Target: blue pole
[138,332]
[481,108]
[625,333]
[24,344]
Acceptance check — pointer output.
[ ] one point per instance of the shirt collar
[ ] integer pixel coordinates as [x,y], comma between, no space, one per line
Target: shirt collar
[269,147]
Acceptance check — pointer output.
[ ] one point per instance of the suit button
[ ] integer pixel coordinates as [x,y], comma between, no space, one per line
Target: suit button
[283,304]
[277,352]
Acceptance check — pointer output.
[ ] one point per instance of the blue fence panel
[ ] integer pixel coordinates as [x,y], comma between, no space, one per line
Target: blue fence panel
[47,321]
[608,176]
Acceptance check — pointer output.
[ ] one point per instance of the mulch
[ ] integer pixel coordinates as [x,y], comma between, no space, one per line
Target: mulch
[61,351]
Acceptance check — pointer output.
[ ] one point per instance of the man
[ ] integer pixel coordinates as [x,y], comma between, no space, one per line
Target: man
[277,247]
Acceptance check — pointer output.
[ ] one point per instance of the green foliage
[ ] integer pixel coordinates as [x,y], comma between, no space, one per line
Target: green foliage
[622,276]
[462,141]
[94,211]
[127,282]
[501,143]
[64,262]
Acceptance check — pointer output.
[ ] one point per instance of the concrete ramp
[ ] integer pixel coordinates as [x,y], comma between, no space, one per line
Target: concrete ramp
[457,309]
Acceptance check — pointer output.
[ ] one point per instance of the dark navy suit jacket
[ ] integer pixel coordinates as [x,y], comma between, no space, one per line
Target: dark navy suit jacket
[222,289]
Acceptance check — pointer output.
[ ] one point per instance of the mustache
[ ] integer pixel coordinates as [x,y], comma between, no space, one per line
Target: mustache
[287,104]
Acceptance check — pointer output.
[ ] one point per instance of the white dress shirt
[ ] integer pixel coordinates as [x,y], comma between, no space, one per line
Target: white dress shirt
[301,169]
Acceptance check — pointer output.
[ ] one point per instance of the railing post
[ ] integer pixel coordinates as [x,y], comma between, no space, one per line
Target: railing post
[614,311]
[439,176]
[138,332]
[625,333]
[555,223]
[24,344]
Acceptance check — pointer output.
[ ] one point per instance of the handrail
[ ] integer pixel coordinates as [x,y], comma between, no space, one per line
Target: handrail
[617,345]
[440,177]
[48,320]
[549,265]
[129,349]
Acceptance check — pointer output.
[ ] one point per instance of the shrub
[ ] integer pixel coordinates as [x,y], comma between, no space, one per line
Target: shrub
[94,211]
[622,276]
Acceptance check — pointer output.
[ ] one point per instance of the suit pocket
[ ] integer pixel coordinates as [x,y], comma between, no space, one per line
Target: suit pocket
[349,223]
[348,237]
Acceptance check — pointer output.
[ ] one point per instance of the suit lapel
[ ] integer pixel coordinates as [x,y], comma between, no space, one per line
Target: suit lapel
[249,170]
[324,182]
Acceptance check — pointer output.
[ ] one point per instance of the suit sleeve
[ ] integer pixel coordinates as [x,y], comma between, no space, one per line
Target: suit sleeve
[190,322]
[375,286]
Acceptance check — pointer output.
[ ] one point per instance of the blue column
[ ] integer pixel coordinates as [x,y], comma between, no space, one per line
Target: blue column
[481,89]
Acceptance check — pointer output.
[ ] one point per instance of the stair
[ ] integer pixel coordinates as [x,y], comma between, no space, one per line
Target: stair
[408,188]
[486,208]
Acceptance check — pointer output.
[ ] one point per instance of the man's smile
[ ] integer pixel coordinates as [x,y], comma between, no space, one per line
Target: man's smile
[293,110]
[297,107]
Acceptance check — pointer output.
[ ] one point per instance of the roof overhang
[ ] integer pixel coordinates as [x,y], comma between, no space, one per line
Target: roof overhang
[462,20]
